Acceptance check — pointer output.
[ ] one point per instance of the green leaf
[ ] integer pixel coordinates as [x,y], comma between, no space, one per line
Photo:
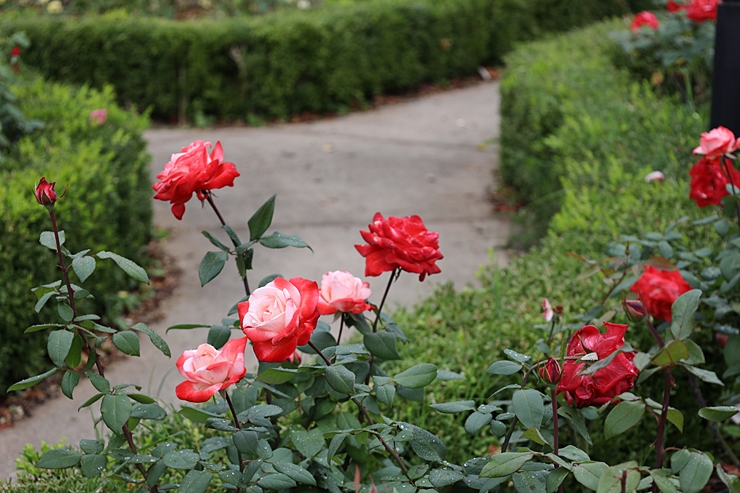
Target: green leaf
[115,410]
[624,416]
[92,400]
[83,267]
[276,482]
[277,376]
[234,238]
[671,354]
[58,346]
[296,473]
[611,480]
[528,407]
[417,376]
[133,270]
[382,345]
[676,417]
[696,355]
[535,435]
[195,482]
[444,477]
[186,327]
[718,413]
[574,453]
[211,266]
[308,443]
[93,465]
[476,421]
[664,484]
[679,460]
[181,459]
[127,341]
[218,335]
[100,383]
[340,379]
[695,474]
[683,310]
[69,381]
[589,473]
[576,419]
[454,407]
[732,482]
[704,375]
[555,479]
[334,445]
[504,368]
[385,393]
[280,240]
[46,238]
[722,227]
[505,464]
[60,458]
[148,411]
[74,356]
[214,241]
[261,220]
[247,442]
[426,445]
[65,311]
[527,482]
[36,328]
[31,381]
[156,339]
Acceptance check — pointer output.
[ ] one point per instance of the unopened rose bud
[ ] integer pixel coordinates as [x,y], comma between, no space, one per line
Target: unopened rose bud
[551,372]
[45,194]
[547,310]
[558,309]
[634,309]
[16,51]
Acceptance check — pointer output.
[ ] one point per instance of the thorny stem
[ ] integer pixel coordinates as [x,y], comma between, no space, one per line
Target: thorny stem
[90,348]
[366,415]
[729,454]
[659,442]
[226,397]
[394,275]
[654,332]
[341,327]
[209,197]
[724,161]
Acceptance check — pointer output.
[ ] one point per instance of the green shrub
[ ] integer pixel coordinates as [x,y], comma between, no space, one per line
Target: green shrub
[108,205]
[290,62]
[598,135]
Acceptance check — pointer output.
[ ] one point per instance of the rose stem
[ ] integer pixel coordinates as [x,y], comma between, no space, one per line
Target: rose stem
[654,332]
[715,431]
[659,442]
[394,273]
[364,412]
[341,327]
[724,160]
[226,397]
[90,349]
[555,443]
[209,197]
[552,330]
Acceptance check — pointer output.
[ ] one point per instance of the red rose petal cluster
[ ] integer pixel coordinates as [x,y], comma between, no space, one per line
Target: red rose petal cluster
[280,316]
[208,370]
[674,6]
[702,10]
[400,242]
[45,193]
[606,383]
[193,171]
[658,289]
[709,181]
[644,18]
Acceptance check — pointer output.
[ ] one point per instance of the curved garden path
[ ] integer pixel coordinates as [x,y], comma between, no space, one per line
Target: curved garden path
[416,157]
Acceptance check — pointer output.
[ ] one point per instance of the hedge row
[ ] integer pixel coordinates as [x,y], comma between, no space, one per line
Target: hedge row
[108,206]
[607,133]
[291,62]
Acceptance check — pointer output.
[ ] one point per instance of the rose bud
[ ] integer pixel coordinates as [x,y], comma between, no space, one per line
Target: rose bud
[634,309]
[45,194]
[551,371]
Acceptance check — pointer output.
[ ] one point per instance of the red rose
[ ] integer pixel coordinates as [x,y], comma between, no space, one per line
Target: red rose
[644,18]
[702,10]
[279,317]
[709,181]
[400,242]
[45,193]
[717,142]
[193,171]
[675,6]
[606,383]
[15,52]
[208,370]
[658,289]
[551,372]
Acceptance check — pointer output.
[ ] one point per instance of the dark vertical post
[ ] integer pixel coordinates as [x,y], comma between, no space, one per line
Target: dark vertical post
[726,80]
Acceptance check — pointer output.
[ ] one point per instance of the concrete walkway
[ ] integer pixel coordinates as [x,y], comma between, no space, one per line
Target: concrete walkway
[418,157]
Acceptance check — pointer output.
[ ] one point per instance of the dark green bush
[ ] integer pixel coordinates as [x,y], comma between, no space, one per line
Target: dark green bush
[604,133]
[108,206]
[290,62]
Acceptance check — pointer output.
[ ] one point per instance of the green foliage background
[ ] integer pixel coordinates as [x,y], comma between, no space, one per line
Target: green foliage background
[108,206]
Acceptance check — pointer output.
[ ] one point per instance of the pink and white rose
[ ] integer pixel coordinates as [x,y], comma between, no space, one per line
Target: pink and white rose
[717,142]
[279,317]
[343,292]
[208,370]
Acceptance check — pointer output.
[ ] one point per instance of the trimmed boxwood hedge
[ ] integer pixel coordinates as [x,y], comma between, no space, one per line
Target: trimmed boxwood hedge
[286,63]
[586,125]
[108,206]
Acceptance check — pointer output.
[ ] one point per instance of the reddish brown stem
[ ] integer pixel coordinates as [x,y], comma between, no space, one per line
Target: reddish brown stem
[209,198]
[660,441]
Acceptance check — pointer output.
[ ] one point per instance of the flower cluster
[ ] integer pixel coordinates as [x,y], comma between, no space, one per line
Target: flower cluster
[714,170]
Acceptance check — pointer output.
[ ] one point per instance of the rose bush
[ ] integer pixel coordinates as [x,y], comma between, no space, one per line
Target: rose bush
[658,289]
[343,292]
[280,316]
[644,19]
[193,171]
[208,370]
[400,242]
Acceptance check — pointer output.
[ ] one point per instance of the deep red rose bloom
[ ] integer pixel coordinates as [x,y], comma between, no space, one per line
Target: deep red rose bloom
[45,193]
[676,6]
[644,18]
[709,181]
[280,316]
[400,242]
[658,289]
[193,171]
[702,10]
[605,384]
[551,372]
[16,51]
